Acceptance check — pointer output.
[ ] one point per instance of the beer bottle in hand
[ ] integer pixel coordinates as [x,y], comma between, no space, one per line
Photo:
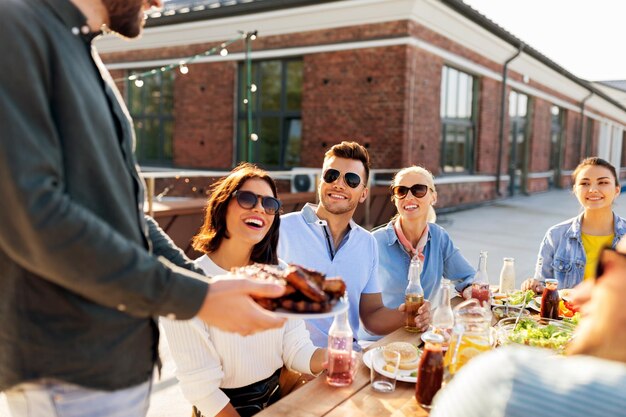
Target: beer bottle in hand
[413,295]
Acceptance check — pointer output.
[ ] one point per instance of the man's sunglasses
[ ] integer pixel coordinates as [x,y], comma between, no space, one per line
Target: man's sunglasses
[331,175]
[247,200]
[418,190]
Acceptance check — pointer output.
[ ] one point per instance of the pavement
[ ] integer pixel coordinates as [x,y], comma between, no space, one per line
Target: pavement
[511,227]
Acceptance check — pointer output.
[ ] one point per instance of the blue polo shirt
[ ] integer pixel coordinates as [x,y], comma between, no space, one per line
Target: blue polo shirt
[306,240]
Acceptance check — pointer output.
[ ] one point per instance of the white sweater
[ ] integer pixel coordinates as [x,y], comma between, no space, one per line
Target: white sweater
[208,359]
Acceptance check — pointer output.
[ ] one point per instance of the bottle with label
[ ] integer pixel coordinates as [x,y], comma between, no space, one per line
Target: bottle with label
[507,276]
[480,286]
[340,352]
[413,295]
[443,317]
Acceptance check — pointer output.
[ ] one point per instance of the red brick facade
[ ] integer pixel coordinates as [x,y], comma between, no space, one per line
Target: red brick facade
[387,98]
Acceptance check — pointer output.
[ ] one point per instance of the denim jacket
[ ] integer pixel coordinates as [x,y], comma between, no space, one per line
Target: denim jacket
[563,253]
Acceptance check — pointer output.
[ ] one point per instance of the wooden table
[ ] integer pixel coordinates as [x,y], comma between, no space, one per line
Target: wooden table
[317,398]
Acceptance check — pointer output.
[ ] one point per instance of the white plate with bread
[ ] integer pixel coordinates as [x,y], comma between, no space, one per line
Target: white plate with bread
[409,359]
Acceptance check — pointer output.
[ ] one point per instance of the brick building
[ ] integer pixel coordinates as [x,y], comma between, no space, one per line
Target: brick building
[416,81]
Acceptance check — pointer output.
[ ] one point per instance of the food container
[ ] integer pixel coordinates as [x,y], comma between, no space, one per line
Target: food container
[545,333]
[503,312]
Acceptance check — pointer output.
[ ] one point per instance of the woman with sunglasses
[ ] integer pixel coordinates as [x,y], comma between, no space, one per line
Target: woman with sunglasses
[226,374]
[413,231]
[570,249]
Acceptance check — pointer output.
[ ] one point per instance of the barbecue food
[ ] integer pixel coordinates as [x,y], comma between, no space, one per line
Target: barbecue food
[306,291]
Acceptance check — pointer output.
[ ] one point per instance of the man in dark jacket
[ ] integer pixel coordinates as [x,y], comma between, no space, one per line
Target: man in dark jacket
[83,273]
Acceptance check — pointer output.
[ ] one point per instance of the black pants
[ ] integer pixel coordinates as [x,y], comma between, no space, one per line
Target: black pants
[252,398]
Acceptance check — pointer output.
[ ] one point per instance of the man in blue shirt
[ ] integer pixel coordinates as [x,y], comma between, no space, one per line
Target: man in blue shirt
[325,238]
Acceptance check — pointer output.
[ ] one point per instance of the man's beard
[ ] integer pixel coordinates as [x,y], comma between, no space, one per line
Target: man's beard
[125,16]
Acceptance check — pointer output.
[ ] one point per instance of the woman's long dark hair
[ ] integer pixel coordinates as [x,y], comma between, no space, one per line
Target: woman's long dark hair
[210,236]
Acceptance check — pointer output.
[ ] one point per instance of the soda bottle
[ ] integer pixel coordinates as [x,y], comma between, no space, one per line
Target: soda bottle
[443,317]
[507,276]
[429,370]
[413,295]
[550,300]
[340,352]
[480,286]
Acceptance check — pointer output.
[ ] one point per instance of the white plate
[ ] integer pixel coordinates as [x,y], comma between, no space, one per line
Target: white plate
[340,307]
[535,304]
[403,375]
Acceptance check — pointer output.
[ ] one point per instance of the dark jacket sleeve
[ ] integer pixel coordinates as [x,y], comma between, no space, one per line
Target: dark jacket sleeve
[42,228]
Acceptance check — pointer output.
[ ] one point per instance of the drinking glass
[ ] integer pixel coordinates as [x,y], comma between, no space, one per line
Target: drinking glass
[384,370]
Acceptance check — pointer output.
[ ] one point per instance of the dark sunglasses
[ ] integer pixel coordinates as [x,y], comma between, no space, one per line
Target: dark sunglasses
[352,180]
[418,190]
[247,200]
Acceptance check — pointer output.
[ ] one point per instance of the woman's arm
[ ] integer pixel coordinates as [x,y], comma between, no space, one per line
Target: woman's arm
[299,353]
[198,367]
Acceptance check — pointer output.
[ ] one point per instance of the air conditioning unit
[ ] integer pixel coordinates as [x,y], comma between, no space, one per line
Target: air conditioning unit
[303,180]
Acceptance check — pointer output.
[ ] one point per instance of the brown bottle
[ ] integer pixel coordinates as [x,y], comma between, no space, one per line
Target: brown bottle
[429,370]
[550,300]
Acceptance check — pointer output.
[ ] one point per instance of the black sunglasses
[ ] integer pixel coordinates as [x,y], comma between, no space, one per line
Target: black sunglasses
[418,190]
[331,175]
[248,200]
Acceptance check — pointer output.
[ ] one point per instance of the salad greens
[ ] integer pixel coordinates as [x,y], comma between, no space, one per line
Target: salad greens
[521,297]
[529,332]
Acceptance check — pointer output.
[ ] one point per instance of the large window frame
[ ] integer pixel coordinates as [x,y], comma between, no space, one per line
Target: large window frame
[276,113]
[152,109]
[458,121]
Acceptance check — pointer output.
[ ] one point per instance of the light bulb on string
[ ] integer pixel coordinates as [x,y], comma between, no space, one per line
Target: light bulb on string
[253,36]
[253,88]
[184,69]
[224,52]
[254,137]
[245,101]
[139,82]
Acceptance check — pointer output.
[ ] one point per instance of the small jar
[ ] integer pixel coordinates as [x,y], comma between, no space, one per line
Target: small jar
[550,300]
[430,369]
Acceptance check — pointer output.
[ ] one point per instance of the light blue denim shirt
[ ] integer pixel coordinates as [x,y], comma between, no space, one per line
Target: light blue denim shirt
[304,241]
[563,253]
[441,259]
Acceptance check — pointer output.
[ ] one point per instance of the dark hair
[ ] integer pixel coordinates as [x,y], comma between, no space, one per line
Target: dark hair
[210,236]
[351,150]
[595,161]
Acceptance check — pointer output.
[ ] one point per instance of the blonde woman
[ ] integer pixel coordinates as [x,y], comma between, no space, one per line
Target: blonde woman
[413,230]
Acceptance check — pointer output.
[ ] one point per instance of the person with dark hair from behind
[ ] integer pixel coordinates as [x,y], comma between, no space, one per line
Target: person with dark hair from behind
[84,273]
[225,374]
[524,381]
[324,237]
[570,249]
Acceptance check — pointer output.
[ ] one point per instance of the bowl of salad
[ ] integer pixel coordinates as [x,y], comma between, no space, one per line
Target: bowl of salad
[544,333]
[515,298]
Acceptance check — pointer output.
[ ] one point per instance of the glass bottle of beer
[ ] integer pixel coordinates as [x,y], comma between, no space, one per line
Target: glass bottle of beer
[429,370]
[443,317]
[340,352]
[480,286]
[413,295]
[507,276]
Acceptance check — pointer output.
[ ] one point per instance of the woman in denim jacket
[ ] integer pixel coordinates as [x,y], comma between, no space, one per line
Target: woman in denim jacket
[413,230]
[570,249]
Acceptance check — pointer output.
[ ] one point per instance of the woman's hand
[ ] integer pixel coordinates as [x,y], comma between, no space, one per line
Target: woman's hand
[533,284]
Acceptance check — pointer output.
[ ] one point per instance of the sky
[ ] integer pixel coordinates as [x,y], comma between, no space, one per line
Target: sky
[586,37]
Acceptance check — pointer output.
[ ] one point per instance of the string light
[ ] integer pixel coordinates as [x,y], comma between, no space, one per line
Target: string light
[224,52]
[245,101]
[184,69]
[253,88]
[254,137]
[139,83]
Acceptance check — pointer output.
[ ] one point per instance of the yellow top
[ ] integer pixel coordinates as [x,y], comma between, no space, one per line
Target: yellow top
[593,245]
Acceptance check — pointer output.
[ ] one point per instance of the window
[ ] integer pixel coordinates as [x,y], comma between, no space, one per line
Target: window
[457,121]
[151,107]
[518,108]
[588,137]
[555,138]
[276,114]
